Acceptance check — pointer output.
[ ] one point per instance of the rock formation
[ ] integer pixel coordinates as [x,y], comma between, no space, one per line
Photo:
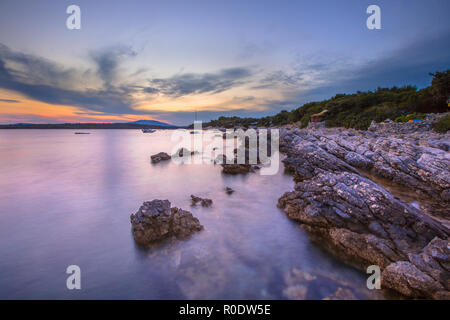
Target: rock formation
[360,221]
[238,168]
[203,201]
[156,220]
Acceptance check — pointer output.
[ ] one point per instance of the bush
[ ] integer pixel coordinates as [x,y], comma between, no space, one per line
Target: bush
[304,121]
[443,125]
[359,109]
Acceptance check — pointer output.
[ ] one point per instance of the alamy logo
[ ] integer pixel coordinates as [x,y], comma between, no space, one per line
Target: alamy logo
[74,280]
[374,281]
[73,22]
[374,20]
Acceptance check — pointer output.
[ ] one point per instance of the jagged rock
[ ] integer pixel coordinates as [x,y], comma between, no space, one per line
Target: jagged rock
[417,161]
[359,218]
[238,168]
[360,221]
[425,275]
[341,294]
[156,220]
[162,156]
[203,201]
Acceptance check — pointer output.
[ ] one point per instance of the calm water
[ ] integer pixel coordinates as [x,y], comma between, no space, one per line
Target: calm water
[66,199]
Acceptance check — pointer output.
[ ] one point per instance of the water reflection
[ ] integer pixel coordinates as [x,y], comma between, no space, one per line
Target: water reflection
[66,199]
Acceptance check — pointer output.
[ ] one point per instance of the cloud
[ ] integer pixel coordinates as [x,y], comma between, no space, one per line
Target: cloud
[312,79]
[9,100]
[46,81]
[408,65]
[34,70]
[197,83]
[40,79]
[280,78]
[306,79]
[108,59]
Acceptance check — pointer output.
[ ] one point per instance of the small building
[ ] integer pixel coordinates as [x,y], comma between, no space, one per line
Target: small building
[318,117]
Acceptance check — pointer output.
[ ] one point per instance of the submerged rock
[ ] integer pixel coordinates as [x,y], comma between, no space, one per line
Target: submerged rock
[229,190]
[162,156]
[238,168]
[342,294]
[302,285]
[203,201]
[183,152]
[156,220]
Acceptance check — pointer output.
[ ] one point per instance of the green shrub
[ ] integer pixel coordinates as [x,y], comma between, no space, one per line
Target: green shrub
[443,125]
[358,110]
[304,121]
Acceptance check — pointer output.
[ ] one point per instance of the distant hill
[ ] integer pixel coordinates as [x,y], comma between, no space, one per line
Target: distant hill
[357,110]
[141,124]
[152,123]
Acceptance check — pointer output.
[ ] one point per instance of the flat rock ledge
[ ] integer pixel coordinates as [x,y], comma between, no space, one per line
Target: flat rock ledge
[361,222]
[156,220]
[235,168]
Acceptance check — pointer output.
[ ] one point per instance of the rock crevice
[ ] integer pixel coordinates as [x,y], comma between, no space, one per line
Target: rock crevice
[156,220]
[362,222]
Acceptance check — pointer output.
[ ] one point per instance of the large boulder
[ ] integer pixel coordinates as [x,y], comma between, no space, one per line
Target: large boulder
[156,220]
[426,274]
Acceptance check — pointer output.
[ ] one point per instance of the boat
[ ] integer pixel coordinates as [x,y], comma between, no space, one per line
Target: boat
[148,130]
[82,133]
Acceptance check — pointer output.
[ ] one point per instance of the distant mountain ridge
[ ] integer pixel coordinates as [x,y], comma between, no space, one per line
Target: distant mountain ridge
[151,123]
[139,124]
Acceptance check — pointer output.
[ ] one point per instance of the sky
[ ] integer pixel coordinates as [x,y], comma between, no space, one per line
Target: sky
[166,60]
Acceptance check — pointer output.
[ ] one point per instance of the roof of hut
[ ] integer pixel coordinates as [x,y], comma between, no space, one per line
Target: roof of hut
[320,113]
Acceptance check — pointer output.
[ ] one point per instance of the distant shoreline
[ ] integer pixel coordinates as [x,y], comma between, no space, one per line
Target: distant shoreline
[87,126]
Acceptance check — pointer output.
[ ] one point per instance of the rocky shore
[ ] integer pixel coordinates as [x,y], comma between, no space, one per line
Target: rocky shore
[359,220]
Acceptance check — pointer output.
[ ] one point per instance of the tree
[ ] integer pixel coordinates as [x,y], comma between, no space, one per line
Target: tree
[440,89]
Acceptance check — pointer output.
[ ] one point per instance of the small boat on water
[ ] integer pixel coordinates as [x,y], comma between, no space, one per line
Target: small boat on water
[82,133]
[148,130]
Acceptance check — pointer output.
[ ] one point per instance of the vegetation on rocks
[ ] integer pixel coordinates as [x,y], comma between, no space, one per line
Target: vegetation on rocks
[443,124]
